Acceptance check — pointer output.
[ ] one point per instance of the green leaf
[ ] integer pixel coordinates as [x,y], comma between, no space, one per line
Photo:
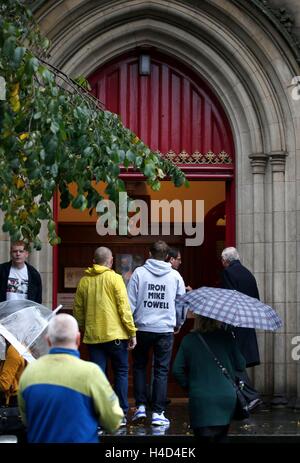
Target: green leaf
[6,227]
[80,202]
[18,55]
[32,65]
[131,156]
[155,185]
[8,48]
[149,169]
[37,244]
[45,43]
[54,127]
[46,74]
[88,150]
[139,161]
[51,225]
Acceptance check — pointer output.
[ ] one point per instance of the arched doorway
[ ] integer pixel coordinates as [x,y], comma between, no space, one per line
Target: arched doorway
[176,113]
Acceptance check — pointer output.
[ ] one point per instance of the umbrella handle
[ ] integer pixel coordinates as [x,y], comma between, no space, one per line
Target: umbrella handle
[60,306]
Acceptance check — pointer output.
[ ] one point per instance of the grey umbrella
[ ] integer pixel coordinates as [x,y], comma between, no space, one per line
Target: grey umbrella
[231,307]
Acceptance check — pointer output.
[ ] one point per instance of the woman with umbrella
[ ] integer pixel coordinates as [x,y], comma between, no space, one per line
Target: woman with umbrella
[212,395]
[212,398]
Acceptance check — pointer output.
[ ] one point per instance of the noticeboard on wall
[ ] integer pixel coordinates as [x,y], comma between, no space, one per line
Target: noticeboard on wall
[72,276]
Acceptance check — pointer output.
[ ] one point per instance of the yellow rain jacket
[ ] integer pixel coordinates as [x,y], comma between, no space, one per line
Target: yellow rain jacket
[101,306]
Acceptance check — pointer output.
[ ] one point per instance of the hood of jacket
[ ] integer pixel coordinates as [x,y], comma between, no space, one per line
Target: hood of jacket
[96,270]
[158,267]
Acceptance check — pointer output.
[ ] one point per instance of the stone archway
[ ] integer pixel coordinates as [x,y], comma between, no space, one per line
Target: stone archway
[248,64]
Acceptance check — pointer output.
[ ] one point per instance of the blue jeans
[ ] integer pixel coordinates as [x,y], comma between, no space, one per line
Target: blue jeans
[117,351]
[162,344]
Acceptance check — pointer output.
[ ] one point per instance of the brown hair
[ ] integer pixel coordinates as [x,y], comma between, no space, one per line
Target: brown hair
[20,243]
[205,324]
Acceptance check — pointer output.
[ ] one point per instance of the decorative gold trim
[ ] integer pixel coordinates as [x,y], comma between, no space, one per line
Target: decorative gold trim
[197,157]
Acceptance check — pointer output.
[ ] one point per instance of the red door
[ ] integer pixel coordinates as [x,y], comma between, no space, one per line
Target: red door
[169,109]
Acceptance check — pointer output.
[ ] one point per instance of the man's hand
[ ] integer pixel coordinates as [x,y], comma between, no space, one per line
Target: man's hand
[131,343]
[177,329]
[188,288]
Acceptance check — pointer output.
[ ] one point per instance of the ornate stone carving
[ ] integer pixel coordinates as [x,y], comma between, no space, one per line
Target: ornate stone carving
[197,158]
[283,21]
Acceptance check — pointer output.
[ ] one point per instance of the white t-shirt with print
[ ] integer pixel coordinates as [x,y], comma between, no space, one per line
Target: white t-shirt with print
[17,284]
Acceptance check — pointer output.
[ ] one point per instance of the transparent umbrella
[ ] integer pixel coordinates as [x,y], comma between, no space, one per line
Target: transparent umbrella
[24,323]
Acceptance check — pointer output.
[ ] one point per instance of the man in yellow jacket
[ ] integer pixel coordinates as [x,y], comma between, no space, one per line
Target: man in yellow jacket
[103,313]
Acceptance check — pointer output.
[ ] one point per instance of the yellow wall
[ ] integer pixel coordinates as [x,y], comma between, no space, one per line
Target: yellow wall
[211,192]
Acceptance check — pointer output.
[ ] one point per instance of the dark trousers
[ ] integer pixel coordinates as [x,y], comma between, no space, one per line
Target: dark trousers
[162,344]
[118,353]
[211,434]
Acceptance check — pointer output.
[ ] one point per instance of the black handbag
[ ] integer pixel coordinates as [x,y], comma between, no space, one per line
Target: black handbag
[241,411]
[10,420]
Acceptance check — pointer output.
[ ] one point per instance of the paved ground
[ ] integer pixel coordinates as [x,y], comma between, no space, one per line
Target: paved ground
[266,424]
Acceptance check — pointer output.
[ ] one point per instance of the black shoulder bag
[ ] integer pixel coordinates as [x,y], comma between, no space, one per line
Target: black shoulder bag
[241,409]
[10,419]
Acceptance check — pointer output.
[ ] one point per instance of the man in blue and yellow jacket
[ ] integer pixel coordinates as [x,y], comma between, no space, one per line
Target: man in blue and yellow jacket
[63,399]
[102,309]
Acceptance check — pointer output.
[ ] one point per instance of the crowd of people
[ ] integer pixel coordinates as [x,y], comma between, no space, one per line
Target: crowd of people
[113,318]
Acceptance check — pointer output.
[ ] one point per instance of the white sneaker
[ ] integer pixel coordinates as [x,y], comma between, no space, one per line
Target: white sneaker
[159,419]
[159,430]
[124,421]
[139,414]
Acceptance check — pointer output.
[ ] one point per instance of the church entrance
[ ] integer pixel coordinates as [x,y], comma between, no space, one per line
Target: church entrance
[175,113]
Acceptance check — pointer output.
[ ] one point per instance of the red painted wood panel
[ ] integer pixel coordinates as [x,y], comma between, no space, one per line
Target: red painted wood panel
[171,109]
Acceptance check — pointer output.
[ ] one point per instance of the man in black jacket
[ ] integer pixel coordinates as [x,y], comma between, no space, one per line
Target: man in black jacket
[236,276]
[19,280]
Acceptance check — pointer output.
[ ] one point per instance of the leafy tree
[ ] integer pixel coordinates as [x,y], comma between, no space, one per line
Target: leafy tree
[53,133]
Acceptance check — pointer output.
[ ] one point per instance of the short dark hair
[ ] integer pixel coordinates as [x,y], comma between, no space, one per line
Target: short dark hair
[173,252]
[159,250]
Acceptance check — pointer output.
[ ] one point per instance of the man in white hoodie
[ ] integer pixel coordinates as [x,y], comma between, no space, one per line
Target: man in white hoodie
[152,290]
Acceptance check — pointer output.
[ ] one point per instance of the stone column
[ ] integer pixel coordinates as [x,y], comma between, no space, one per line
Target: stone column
[258,163]
[4,242]
[42,261]
[277,160]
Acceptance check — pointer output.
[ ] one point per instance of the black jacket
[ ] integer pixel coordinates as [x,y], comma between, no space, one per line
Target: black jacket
[238,277]
[34,282]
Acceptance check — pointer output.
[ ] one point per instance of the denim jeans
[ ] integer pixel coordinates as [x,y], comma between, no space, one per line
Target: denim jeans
[117,351]
[162,344]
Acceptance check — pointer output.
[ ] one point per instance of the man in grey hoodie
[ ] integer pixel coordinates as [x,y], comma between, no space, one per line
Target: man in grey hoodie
[152,290]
